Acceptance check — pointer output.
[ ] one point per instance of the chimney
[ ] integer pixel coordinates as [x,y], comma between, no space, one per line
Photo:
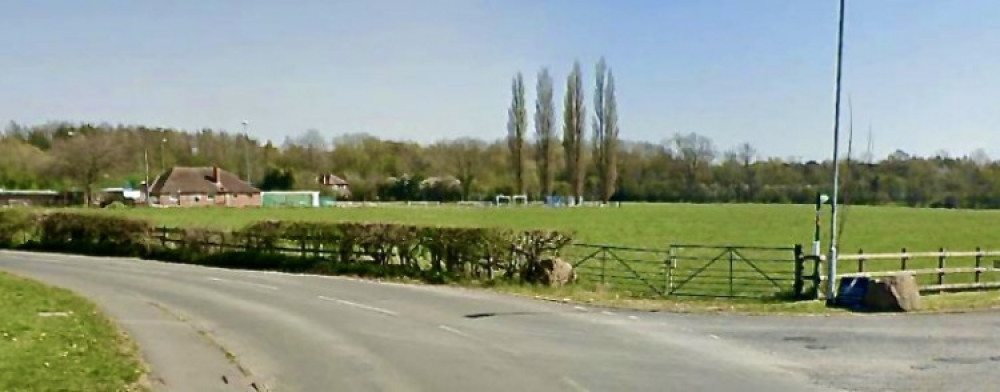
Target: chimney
[215,175]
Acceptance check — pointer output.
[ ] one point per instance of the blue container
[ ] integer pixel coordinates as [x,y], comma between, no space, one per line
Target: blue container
[851,292]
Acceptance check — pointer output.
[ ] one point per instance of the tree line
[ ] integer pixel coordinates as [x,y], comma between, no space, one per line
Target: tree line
[682,168]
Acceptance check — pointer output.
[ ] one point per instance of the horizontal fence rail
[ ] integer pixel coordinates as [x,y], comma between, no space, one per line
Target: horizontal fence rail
[938,271]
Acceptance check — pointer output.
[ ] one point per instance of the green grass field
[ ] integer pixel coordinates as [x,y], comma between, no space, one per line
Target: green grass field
[876,229]
[52,340]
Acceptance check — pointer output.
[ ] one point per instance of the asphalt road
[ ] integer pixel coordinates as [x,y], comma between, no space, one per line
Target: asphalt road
[212,329]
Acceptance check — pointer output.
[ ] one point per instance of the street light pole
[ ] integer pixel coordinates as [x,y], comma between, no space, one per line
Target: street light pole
[145,184]
[163,161]
[831,280]
[246,148]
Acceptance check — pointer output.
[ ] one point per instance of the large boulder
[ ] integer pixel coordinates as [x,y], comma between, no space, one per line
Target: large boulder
[893,293]
[560,272]
[551,271]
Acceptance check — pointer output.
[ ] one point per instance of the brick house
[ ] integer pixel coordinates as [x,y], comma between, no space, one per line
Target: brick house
[203,186]
[335,184]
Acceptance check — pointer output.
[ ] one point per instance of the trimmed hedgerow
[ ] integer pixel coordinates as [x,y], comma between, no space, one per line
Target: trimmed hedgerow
[435,254]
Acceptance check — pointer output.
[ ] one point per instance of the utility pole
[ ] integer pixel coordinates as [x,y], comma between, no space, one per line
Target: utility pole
[163,161]
[246,148]
[831,276]
[146,185]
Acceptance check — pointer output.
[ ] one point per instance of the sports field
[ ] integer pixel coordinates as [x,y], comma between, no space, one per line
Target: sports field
[876,229]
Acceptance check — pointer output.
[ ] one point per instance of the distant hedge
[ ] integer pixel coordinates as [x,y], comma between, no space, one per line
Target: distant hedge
[434,254]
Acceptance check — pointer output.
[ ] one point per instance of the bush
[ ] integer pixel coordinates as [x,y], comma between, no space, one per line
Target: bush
[16,227]
[94,234]
[434,254]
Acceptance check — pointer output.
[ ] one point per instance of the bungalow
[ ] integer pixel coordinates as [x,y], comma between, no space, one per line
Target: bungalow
[202,186]
[337,185]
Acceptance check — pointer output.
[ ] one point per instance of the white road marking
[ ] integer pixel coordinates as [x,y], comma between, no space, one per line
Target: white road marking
[633,317]
[580,308]
[608,313]
[481,341]
[359,306]
[455,331]
[263,286]
[714,336]
[575,385]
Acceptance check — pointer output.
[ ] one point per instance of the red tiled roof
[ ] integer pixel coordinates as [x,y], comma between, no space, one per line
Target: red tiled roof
[199,180]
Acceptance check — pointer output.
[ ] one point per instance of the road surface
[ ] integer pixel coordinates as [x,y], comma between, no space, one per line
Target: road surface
[214,329]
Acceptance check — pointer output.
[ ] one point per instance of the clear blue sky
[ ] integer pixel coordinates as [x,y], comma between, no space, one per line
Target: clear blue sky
[925,73]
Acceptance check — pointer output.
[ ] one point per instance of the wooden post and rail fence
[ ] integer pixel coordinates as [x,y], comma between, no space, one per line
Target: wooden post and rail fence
[938,271]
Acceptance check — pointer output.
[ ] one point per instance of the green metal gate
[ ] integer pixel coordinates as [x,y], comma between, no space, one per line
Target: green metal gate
[688,270]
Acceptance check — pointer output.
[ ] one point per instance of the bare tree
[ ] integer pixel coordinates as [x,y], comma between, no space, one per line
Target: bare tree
[696,152]
[979,157]
[466,155]
[314,144]
[747,155]
[574,115]
[544,132]
[517,126]
[86,158]
[605,131]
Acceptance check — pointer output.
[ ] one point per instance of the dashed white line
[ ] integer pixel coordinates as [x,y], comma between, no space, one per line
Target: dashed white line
[633,317]
[714,336]
[481,341]
[359,306]
[263,286]
[607,313]
[580,308]
[455,331]
[575,385]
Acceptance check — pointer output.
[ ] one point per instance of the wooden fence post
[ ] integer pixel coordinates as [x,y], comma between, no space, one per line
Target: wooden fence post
[673,267]
[941,264]
[163,237]
[861,260]
[799,267]
[817,277]
[903,260]
[979,264]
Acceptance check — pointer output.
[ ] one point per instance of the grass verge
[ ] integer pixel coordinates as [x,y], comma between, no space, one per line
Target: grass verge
[936,303]
[51,339]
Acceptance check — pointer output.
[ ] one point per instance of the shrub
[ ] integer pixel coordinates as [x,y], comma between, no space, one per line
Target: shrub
[16,227]
[94,234]
[434,254]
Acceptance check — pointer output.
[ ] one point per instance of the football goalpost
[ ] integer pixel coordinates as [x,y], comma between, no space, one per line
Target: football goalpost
[513,200]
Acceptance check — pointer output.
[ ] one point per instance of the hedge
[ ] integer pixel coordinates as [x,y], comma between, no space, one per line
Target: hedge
[434,254]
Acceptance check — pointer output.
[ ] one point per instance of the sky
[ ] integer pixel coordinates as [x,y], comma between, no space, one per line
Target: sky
[923,73]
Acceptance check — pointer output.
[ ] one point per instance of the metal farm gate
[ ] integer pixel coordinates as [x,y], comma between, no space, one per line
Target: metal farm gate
[690,270]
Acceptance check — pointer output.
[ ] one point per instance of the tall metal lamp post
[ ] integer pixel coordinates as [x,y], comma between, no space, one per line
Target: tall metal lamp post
[831,280]
[246,148]
[163,160]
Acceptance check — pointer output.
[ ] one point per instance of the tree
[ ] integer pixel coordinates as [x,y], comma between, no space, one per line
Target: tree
[517,126]
[605,131]
[746,154]
[544,132]
[466,156]
[696,152]
[574,115]
[278,179]
[87,157]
